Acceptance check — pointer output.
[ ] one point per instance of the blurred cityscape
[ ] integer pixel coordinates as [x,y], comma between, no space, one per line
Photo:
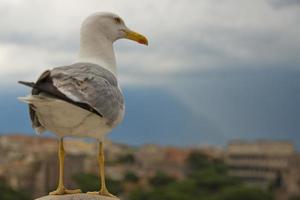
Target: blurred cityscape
[261,169]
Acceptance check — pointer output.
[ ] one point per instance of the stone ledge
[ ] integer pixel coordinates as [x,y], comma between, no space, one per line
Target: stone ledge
[76,197]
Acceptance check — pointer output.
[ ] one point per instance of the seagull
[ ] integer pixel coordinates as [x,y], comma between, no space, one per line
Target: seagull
[83,99]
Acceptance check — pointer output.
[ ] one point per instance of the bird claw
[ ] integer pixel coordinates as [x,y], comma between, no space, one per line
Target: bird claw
[103,193]
[61,191]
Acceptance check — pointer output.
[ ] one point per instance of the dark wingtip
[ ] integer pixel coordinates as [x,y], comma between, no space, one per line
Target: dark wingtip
[30,84]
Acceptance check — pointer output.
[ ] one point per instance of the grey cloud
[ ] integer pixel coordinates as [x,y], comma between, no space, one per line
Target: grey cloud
[285,3]
[50,42]
[192,36]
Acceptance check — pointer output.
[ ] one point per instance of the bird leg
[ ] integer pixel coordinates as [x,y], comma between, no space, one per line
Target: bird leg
[103,191]
[61,188]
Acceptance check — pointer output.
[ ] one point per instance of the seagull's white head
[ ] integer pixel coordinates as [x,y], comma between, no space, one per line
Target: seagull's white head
[110,26]
[98,32]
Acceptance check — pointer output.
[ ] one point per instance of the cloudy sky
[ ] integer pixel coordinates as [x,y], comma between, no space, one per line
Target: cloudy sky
[228,68]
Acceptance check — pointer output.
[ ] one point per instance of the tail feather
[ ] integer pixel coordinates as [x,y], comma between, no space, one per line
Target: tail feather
[39,130]
[27,99]
[31,99]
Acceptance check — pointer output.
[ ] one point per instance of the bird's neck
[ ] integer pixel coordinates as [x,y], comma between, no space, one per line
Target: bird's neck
[98,50]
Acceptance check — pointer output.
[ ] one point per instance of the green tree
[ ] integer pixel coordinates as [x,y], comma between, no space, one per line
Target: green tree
[212,180]
[178,190]
[131,177]
[294,198]
[126,159]
[244,193]
[139,194]
[161,179]
[197,161]
[7,193]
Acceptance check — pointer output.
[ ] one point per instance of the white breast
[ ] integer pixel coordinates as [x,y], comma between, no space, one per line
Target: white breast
[65,119]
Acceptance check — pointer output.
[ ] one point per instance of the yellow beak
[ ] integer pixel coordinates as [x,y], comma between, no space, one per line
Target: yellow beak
[131,35]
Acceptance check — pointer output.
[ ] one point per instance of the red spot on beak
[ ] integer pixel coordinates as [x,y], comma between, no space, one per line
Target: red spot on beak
[143,41]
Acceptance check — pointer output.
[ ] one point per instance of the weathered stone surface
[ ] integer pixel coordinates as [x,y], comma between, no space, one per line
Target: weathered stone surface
[76,197]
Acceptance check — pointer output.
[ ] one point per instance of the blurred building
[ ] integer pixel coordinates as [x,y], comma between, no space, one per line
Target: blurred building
[291,179]
[265,163]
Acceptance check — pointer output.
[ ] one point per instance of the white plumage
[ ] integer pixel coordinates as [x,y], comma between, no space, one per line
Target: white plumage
[63,118]
[91,81]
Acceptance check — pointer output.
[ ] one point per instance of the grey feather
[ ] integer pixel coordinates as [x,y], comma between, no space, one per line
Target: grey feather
[90,84]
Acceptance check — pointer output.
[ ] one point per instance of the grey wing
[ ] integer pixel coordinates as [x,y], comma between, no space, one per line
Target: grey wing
[92,85]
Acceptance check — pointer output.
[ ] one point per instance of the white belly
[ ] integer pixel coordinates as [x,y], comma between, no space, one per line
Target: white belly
[65,119]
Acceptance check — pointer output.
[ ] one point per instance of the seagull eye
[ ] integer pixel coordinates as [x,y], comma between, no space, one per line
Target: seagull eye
[117,20]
